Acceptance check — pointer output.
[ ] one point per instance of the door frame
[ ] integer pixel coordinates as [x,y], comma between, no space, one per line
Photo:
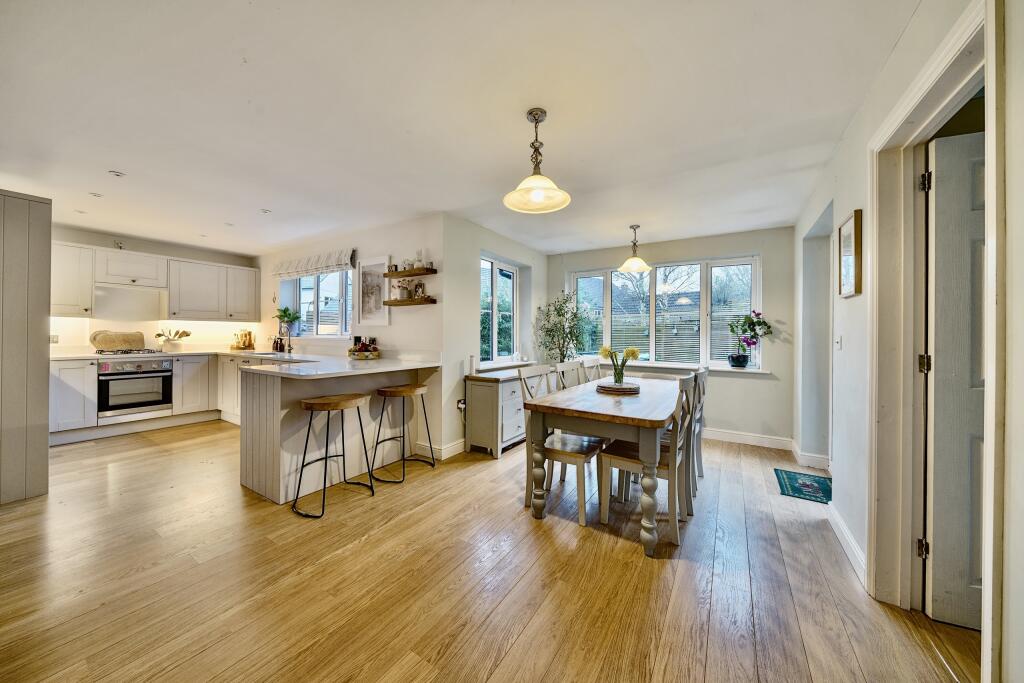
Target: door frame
[970,56]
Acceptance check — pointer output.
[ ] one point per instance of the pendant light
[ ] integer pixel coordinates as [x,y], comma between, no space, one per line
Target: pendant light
[537,193]
[634,264]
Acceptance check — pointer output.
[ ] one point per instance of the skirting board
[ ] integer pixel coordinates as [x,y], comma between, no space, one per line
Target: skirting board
[779,442]
[442,452]
[90,433]
[853,551]
[810,459]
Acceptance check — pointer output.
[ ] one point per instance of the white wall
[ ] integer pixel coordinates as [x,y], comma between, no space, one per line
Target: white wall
[844,182]
[464,242]
[1013,577]
[753,404]
[815,343]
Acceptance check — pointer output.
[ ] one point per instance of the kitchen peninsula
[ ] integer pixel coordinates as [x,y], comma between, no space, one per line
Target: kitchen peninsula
[274,425]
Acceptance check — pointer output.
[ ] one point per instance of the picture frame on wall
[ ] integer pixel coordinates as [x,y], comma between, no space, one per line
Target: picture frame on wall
[373,291]
[848,242]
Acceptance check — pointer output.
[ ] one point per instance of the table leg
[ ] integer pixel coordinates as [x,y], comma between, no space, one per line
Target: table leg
[537,431]
[649,446]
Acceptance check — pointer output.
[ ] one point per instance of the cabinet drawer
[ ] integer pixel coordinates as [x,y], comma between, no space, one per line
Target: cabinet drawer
[513,430]
[512,413]
[511,391]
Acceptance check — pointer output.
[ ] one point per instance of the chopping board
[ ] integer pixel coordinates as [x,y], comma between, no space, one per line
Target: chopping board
[107,340]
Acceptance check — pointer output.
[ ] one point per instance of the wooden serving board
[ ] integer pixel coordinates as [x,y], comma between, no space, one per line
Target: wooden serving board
[624,389]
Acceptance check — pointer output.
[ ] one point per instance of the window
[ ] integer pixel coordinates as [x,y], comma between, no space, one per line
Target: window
[590,298]
[498,301]
[631,312]
[678,313]
[324,301]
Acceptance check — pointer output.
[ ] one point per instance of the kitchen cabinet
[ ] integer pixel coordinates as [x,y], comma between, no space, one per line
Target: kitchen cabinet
[191,389]
[243,294]
[119,267]
[71,280]
[197,291]
[72,394]
[228,399]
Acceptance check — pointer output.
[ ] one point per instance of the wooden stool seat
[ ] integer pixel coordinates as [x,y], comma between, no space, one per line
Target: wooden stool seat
[402,390]
[335,402]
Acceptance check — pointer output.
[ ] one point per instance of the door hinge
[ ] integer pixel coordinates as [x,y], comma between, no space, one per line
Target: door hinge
[924,362]
[923,548]
[925,183]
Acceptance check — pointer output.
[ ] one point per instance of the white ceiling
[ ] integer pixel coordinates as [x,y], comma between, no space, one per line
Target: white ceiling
[690,118]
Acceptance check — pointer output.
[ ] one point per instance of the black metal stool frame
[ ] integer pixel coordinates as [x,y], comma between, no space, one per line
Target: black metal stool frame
[326,461]
[401,437]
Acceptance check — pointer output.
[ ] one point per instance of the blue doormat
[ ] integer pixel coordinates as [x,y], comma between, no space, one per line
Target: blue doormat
[806,486]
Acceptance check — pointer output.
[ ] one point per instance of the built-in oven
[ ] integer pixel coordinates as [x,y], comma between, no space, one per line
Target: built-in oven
[133,390]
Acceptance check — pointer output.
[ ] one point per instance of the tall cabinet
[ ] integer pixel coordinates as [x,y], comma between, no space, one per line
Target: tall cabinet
[24,352]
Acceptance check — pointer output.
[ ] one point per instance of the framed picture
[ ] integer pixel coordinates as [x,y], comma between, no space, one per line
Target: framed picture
[373,290]
[849,255]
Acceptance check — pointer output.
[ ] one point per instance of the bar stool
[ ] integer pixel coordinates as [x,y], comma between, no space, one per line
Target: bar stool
[401,391]
[341,403]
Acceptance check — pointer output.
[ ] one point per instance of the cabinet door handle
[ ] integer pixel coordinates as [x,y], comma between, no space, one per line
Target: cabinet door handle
[92,362]
[86,310]
[133,281]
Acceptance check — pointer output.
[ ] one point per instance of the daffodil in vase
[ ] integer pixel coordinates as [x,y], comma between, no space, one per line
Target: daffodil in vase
[619,363]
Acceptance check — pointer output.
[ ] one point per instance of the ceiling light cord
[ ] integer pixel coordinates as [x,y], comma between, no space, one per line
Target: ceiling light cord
[634,228]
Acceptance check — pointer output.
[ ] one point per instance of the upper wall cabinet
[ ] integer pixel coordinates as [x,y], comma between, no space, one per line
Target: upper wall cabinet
[118,267]
[198,291]
[243,294]
[71,278]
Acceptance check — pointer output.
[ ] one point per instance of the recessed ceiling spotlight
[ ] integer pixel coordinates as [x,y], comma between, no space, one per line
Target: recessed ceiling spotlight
[80,211]
[116,174]
[264,210]
[202,235]
[96,194]
[230,225]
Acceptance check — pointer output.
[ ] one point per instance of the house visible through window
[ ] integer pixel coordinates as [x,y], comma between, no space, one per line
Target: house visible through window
[689,306]
[324,302]
[499,292]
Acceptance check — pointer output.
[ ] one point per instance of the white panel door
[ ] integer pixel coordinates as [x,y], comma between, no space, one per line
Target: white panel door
[198,291]
[191,390]
[243,294]
[120,267]
[71,280]
[956,390]
[72,394]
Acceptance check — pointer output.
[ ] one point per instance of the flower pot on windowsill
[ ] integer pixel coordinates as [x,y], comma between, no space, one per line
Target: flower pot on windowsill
[739,360]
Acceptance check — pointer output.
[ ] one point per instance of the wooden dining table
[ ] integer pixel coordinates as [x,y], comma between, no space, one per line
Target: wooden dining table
[639,418]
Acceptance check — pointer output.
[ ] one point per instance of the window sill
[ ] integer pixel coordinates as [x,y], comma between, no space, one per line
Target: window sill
[654,365]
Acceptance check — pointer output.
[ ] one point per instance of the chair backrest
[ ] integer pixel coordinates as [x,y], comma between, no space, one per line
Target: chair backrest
[569,373]
[536,380]
[682,428]
[700,391]
[592,368]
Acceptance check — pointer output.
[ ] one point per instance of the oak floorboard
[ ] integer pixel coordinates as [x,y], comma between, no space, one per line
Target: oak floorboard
[148,561]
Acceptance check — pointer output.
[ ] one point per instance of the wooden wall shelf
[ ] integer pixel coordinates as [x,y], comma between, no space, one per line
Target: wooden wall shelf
[412,272]
[411,302]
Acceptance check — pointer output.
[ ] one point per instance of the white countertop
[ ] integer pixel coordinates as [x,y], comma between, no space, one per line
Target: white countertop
[294,365]
[325,367]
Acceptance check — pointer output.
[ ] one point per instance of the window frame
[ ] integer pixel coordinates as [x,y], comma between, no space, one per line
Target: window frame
[347,281]
[496,265]
[754,261]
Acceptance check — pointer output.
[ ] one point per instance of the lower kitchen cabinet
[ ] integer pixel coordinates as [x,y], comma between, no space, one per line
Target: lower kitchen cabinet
[191,392]
[494,411]
[228,400]
[72,394]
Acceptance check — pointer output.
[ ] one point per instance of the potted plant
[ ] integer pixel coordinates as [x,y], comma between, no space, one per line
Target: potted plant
[619,365]
[560,327]
[402,288]
[748,331]
[287,318]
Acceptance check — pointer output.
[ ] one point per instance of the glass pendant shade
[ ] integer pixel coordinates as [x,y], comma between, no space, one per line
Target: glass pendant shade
[634,264]
[537,194]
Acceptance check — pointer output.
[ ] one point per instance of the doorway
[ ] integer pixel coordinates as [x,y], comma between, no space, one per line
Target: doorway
[953,368]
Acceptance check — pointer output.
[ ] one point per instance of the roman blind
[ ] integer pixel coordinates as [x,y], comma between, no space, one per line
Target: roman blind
[315,264]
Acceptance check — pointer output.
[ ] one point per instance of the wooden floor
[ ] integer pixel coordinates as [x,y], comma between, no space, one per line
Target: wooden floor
[147,560]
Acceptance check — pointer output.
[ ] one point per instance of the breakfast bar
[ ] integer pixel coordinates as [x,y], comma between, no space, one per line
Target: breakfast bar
[273,423]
